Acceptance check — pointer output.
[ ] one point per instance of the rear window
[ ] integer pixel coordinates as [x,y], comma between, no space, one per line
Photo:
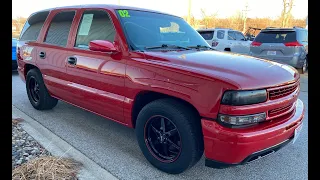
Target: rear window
[207,35]
[33,25]
[276,37]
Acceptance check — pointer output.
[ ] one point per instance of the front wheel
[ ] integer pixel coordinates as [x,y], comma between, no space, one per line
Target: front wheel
[169,135]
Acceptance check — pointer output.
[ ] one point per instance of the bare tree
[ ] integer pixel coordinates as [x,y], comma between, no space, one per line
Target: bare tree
[19,23]
[208,20]
[286,11]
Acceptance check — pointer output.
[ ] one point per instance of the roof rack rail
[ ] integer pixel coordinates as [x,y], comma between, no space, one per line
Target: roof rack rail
[223,28]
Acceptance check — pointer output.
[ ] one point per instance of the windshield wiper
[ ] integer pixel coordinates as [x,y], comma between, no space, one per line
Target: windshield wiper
[167,46]
[200,47]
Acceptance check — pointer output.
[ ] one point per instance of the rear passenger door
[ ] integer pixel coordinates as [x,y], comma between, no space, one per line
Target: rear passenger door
[97,78]
[53,52]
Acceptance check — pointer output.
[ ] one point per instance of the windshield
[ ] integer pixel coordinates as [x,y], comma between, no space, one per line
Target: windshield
[147,29]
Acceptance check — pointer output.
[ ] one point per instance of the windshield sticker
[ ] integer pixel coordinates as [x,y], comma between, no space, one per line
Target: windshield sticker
[183,56]
[85,24]
[123,13]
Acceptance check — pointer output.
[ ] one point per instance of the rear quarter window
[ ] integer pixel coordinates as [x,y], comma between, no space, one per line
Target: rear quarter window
[303,36]
[207,35]
[276,37]
[33,26]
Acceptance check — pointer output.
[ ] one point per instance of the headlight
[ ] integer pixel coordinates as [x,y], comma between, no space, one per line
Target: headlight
[238,98]
[242,120]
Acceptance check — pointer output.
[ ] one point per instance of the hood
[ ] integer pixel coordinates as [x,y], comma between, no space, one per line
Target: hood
[245,72]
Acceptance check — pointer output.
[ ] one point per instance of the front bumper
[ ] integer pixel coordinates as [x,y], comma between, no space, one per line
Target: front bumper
[228,147]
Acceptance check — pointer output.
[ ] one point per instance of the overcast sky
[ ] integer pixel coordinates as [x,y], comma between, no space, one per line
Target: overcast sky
[224,8]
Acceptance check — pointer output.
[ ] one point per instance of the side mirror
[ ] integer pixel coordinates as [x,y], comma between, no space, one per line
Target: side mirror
[102,46]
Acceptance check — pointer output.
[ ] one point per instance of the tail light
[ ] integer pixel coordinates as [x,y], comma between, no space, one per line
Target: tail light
[296,43]
[215,43]
[255,43]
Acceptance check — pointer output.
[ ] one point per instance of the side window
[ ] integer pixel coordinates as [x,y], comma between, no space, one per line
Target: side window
[33,25]
[59,28]
[306,36]
[94,25]
[231,35]
[240,36]
[302,36]
[220,34]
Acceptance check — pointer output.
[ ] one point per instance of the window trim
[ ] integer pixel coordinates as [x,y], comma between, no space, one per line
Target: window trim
[53,15]
[77,26]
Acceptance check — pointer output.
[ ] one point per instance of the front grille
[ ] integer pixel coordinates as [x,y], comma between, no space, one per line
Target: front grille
[282,91]
[279,111]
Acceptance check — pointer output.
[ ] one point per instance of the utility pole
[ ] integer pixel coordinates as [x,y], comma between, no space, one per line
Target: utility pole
[245,17]
[189,13]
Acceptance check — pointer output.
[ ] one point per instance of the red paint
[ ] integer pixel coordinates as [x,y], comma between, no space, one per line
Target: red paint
[108,83]
[101,45]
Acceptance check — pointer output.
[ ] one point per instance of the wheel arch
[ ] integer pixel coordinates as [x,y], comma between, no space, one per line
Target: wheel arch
[145,97]
[28,67]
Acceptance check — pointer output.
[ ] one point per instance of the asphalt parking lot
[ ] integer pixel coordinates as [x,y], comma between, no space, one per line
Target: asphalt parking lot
[114,147]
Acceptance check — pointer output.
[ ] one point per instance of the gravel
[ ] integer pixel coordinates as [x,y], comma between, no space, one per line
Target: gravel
[24,147]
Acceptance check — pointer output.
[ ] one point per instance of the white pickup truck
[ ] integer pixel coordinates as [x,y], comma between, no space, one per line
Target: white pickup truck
[223,39]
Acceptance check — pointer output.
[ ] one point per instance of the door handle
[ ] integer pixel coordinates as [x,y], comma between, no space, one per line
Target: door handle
[72,60]
[42,55]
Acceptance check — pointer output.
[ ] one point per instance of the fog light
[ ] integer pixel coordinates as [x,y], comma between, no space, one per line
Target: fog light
[242,120]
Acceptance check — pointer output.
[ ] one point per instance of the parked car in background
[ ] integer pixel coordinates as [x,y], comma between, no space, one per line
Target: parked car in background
[283,45]
[152,71]
[223,39]
[14,54]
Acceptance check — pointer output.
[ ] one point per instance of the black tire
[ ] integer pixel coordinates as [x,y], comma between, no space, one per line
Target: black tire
[189,129]
[304,67]
[42,100]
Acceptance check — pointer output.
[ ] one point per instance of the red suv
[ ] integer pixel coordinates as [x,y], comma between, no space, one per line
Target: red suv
[153,72]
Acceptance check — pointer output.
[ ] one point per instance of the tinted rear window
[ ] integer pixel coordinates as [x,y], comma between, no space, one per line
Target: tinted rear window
[33,25]
[207,35]
[59,28]
[276,37]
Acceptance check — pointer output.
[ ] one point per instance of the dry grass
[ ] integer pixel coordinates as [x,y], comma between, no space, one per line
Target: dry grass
[47,168]
[16,120]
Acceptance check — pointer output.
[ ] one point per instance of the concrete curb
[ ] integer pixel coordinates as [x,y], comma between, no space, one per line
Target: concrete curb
[60,148]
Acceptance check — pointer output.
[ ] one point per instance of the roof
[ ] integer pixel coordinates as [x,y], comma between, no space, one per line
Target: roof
[212,29]
[106,6]
[282,29]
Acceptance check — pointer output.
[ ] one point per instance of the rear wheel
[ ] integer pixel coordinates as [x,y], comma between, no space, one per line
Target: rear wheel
[170,136]
[37,92]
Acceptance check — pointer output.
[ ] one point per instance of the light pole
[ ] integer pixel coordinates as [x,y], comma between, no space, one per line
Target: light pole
[189,12]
